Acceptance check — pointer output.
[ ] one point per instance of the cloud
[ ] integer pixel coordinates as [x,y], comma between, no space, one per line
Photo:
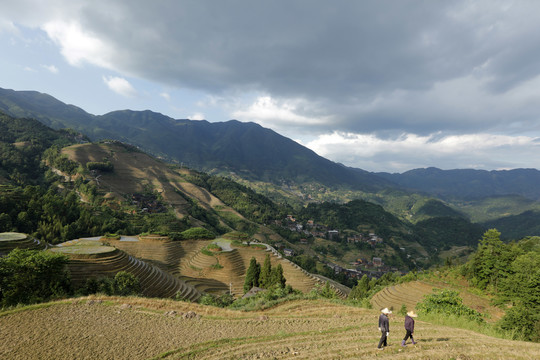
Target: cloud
[197,116]
[51,68]
[408,151]
[281,113]
[120,86]
[78,45]
[166,96]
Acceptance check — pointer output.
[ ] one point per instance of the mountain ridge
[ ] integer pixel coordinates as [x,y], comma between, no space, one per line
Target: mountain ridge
[222,147]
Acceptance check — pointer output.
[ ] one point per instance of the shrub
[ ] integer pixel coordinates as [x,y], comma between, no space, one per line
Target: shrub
[197,233]
[447,302]
[222,300]
[268,298]
[112,236]
[403,310]
[523,322]
[213,247]
[126,284]
[106,166]
[123,284]
[326,291]
[31,276]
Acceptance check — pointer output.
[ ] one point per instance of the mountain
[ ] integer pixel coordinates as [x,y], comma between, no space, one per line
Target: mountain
[245,149]
[286,171]
[469,183]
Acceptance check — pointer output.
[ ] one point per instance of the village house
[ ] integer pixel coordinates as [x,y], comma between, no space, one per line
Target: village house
[291,218]
[288,252]
[333,234]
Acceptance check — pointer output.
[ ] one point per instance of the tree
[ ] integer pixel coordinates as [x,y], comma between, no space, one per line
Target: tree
[30,276]
[361,289]
[277,278]
[126,283]
[264,277]
[487,262]
[328,292]
[252,275]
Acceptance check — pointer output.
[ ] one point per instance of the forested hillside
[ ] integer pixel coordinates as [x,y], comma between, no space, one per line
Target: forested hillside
[288,173]
[245,149]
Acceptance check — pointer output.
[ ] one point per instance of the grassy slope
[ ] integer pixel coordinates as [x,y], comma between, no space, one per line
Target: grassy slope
[133,171]
[126,328]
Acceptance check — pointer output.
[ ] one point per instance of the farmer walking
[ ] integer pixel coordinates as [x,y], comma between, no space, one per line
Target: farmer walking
[384,327]
[409,327]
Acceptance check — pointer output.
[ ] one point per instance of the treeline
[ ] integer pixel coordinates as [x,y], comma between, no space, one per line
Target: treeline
[34,276]
[31,276]
[56,216]
[512,273]
[444,232]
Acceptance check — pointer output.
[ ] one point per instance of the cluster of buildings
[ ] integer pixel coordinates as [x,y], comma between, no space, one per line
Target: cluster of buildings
[373,269]
[322,231]
[147,203]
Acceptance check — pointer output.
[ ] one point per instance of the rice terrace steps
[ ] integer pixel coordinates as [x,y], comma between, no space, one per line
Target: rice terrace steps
[12,240]
[408,294]
[411,293]
[166,268]
[91,259]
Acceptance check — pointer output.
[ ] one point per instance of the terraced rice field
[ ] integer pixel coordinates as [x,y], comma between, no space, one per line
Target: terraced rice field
[411,293]
[90,259]
[137,328]
[12,240]
[178,268]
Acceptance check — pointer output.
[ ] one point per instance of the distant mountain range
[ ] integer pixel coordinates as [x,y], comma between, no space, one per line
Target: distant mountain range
[256,153]
[246,149]
[469,183]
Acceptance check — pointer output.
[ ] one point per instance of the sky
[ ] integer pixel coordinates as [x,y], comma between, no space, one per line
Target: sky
[377,85]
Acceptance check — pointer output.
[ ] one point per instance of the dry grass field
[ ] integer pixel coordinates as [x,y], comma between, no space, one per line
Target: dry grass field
[139,328]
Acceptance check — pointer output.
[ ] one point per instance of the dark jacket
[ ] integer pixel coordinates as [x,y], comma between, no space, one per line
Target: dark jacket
[409,323]
[383,323]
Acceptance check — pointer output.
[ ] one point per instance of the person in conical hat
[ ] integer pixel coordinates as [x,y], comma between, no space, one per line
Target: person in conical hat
[384,327]
[409,327]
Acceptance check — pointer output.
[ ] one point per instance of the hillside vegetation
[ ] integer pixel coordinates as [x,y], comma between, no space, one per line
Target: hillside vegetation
[287,172]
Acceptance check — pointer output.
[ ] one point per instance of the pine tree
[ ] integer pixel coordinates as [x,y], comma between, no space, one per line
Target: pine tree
[252,275]
[277,278]
[489,261]
[266,272]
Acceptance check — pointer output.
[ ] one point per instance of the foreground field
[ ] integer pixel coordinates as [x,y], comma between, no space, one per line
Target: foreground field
[137,328]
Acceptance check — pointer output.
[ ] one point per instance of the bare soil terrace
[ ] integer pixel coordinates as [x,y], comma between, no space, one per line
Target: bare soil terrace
[138,328]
